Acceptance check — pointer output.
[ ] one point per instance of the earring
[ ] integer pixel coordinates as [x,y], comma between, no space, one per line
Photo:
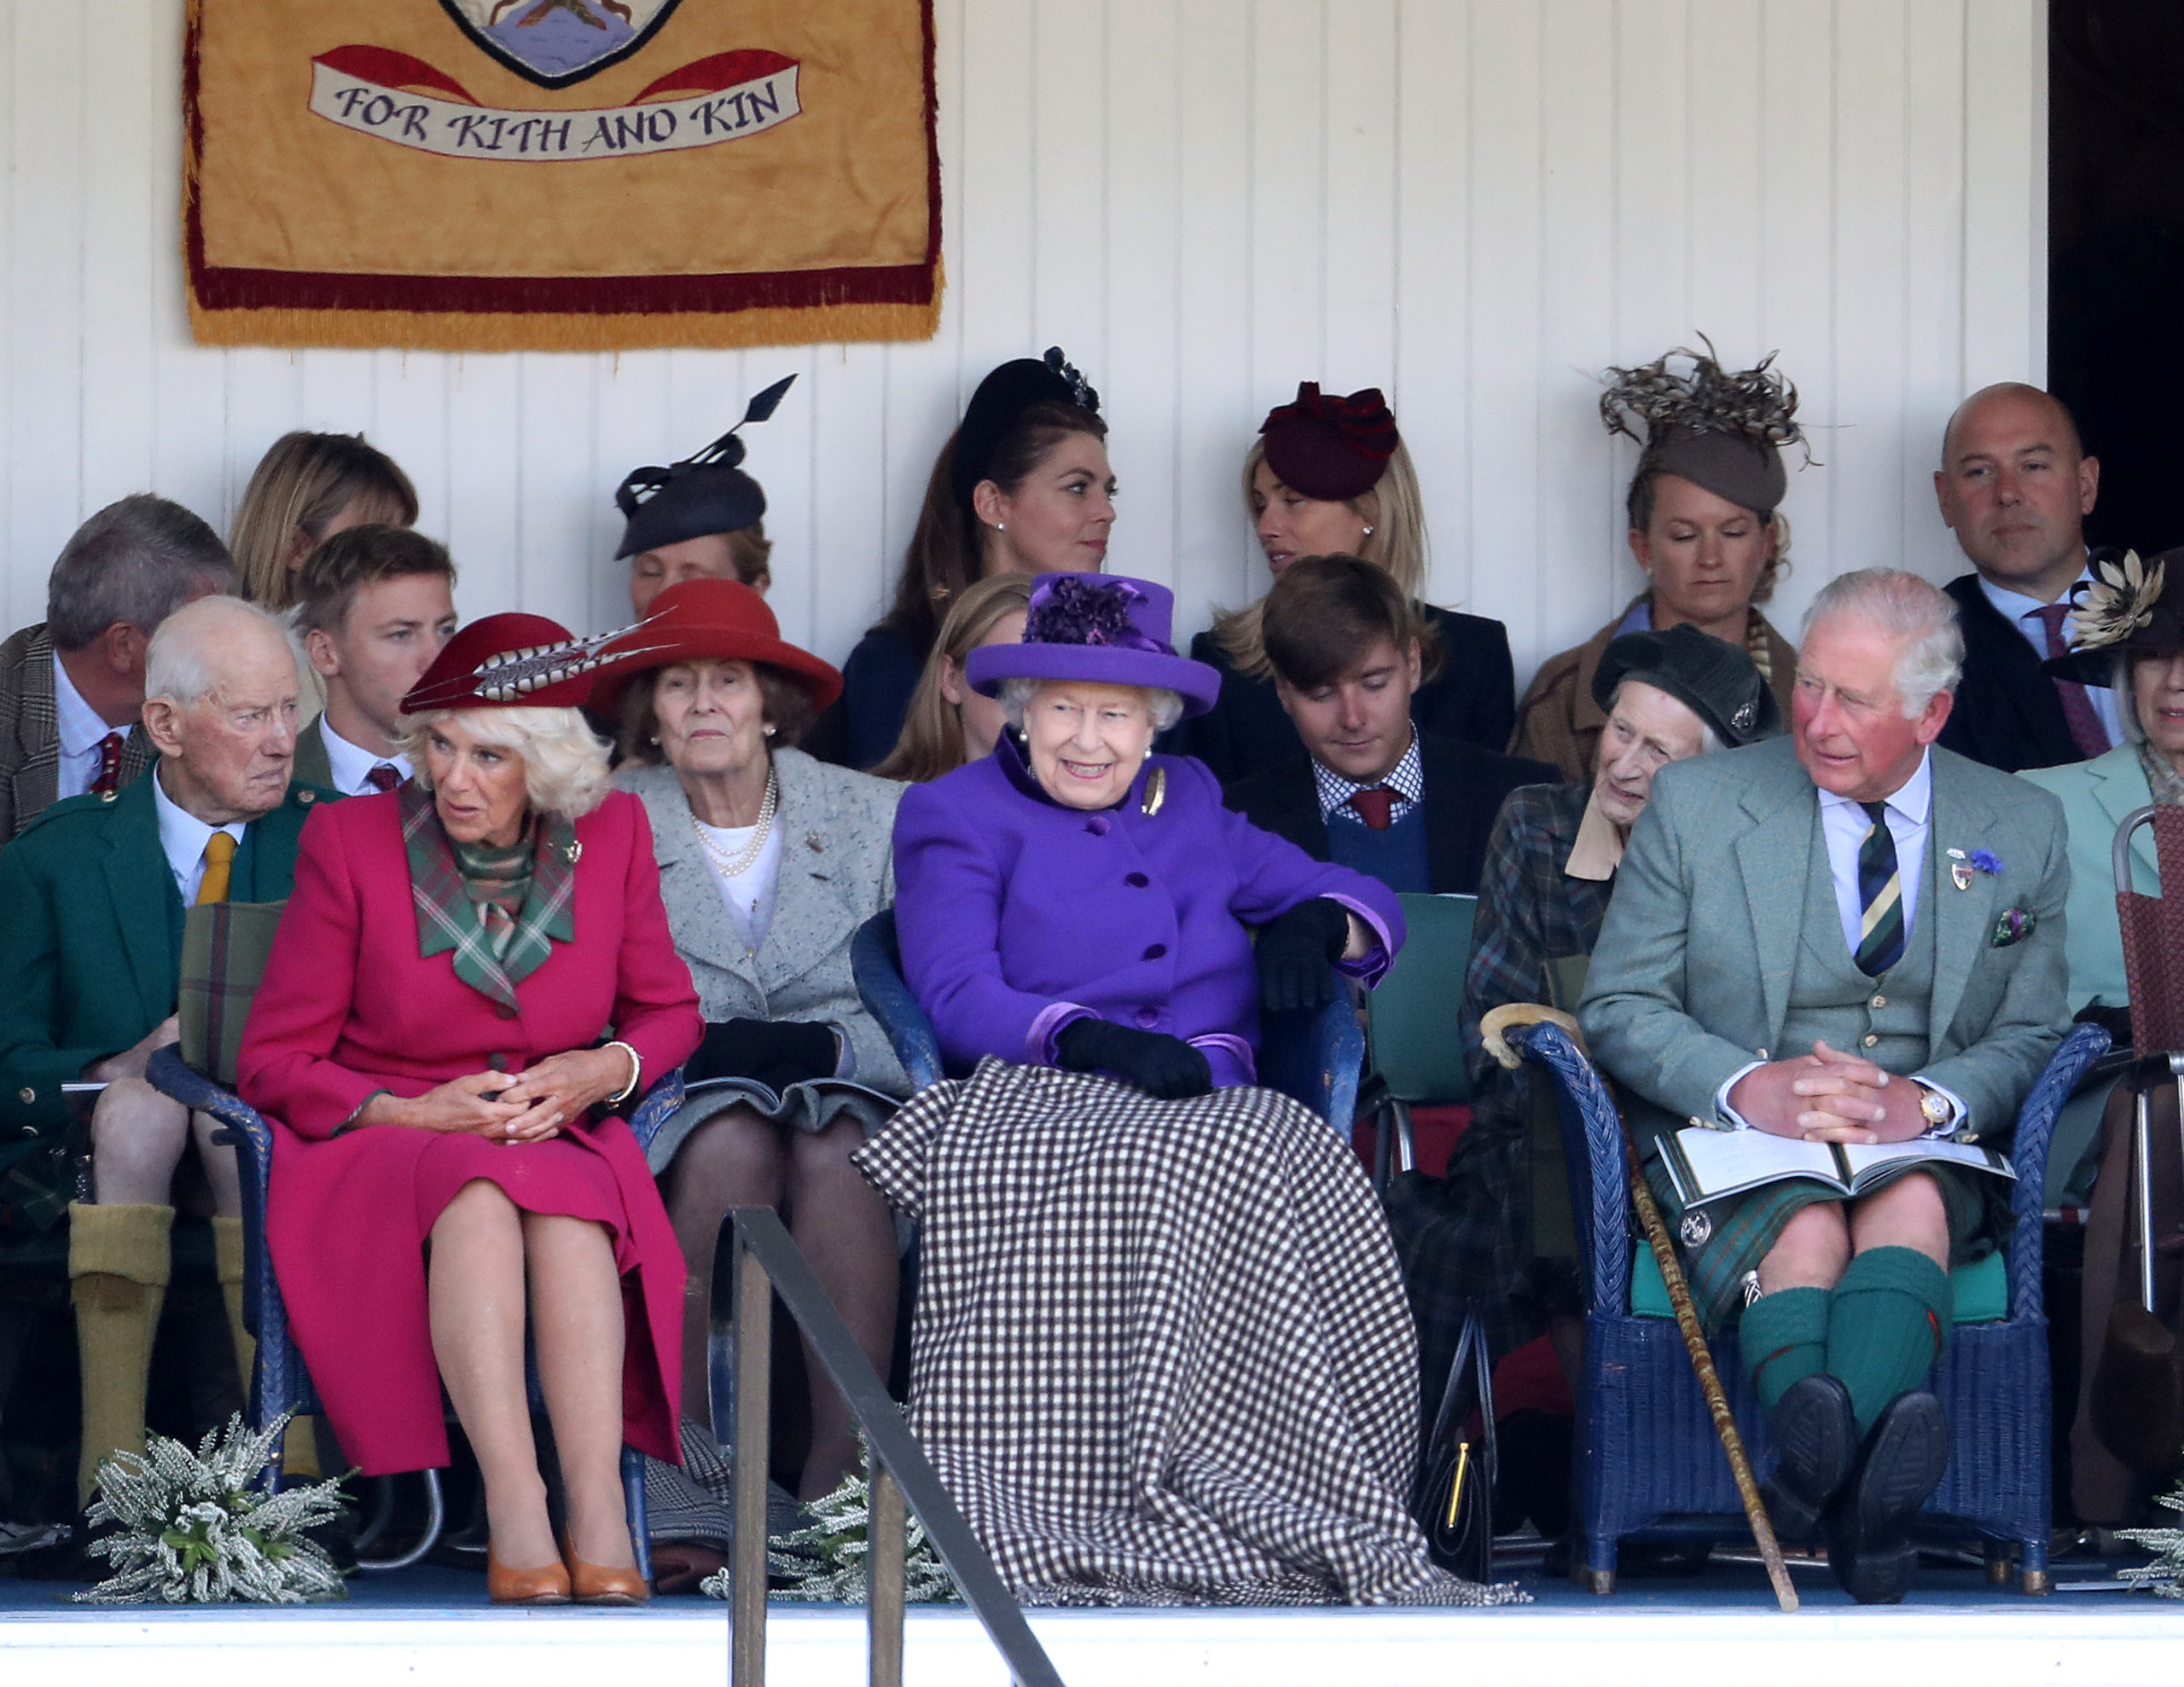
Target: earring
[1000,527]
[1368,530]
[768,731]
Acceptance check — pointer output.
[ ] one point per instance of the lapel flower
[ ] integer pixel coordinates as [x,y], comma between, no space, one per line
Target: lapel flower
[1986,861]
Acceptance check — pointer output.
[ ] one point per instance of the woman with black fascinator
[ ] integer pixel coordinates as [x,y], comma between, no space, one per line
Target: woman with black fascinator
[1022,487]
[1704,506]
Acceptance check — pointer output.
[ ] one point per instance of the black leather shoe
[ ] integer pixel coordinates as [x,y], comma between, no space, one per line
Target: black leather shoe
[1816,1447]
[1869,1527]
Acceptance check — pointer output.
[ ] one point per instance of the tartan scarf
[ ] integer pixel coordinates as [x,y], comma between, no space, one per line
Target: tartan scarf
[450,921]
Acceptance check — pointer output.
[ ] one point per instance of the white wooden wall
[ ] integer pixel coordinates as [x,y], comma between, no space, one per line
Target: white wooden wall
[1474,204]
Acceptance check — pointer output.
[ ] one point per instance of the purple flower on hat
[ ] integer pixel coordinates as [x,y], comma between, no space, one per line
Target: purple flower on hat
[1986,861]
[1068,610]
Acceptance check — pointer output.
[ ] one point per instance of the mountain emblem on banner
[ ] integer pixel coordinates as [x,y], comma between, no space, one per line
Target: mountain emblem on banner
[554,43]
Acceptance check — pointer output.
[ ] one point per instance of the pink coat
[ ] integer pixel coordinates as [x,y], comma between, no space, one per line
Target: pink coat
[348,1007]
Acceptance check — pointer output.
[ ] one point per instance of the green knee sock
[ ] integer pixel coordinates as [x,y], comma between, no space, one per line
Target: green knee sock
[1887,1326]
[1784,1335]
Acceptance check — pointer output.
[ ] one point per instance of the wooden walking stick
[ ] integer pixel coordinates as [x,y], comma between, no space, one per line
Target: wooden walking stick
[1501,1018]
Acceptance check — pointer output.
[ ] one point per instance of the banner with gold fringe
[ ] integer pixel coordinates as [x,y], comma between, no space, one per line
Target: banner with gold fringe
[560,175]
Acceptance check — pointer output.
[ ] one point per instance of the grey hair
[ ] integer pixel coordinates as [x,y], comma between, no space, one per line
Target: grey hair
[136,561]
[2123,683]
[1915,611]
[177,664]
[1016,692]
[564,761]
[1709,740]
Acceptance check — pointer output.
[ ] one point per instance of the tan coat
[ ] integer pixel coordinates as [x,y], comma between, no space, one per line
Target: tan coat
[1558,721]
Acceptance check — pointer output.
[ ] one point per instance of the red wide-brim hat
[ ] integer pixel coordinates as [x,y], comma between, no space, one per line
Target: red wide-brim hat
[708,620]
[510,661]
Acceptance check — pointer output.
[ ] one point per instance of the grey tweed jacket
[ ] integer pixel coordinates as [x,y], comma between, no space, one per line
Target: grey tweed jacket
[837,871]
[30,733]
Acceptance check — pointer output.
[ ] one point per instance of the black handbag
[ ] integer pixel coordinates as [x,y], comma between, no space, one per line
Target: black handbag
[1455,1500]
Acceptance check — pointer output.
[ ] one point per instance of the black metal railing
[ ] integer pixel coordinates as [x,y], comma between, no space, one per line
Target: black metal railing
[756,1259]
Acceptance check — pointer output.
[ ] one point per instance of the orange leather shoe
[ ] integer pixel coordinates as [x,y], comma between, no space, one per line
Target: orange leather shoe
[540,1584]
[598,1584]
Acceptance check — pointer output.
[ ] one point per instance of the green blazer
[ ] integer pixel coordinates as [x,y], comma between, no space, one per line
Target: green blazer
[1691,979]
[91,940]
[313,766]
[2096,795]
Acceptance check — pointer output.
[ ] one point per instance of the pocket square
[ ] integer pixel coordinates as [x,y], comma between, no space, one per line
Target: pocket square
[2012,925]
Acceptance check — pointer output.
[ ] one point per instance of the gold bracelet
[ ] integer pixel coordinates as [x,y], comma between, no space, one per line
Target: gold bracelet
[637,1071]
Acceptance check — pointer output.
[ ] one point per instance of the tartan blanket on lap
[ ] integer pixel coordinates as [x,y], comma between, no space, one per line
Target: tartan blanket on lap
[1161,1355]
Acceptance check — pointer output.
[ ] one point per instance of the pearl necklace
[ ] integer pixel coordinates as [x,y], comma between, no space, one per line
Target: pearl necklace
[734,866]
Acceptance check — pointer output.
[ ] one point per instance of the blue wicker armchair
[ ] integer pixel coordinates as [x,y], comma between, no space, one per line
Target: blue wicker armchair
[1313,1057]
[1648,1464]
[280,1383]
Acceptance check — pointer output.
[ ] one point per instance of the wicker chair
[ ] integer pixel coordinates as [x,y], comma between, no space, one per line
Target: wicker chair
[280,1382]
[1313,1057]
[1648,1464]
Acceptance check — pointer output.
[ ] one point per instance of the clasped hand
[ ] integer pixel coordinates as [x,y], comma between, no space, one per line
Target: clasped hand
[1828,1096]
[531,1106]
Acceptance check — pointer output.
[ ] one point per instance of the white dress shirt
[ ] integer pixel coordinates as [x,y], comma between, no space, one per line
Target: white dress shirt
[1843,824]
[82,731]
[349,764]
[182,838]
[2022,613]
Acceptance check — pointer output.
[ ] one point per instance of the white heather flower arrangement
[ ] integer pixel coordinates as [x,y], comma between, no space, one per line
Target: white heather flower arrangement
[825,1560]
[2168,1544]
[190,1529]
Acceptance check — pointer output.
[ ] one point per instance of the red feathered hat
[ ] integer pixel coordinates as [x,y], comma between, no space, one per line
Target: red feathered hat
[511,661]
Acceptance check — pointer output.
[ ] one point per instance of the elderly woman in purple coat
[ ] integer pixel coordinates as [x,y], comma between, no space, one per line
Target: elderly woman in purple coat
[1161,1353]
[1074,901]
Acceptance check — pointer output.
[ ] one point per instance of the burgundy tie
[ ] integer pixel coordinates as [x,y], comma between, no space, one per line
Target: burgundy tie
[1376,806]
[109,777]
[2077,708]
[383,777]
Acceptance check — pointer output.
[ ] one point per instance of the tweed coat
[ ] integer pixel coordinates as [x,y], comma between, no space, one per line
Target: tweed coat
[30,731]
[1018,915]
[2096,795]
[837,871]
[90,941]
[1558,721]
[1726,847]
[349,1008]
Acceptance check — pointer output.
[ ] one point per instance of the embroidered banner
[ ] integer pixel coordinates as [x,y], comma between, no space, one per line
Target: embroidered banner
[560,175]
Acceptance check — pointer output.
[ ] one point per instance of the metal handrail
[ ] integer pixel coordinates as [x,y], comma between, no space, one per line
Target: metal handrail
[756,1259]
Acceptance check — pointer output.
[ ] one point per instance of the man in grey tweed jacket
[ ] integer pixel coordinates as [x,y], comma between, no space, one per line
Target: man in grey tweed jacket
[72,685]
[1847,936]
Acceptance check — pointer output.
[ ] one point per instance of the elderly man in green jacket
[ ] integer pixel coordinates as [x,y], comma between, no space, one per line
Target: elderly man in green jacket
[91,900]
[1847,935]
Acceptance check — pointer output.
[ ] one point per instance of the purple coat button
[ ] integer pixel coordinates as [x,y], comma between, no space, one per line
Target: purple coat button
[1097,825]
[1156,951]
[1147,1017]
[1137,881]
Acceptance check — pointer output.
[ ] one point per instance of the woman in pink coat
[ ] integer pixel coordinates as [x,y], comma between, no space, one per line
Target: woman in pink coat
[472,970]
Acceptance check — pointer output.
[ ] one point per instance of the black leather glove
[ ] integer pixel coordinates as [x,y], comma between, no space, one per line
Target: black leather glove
[1297,953]
[1161,1065]
[777,1052]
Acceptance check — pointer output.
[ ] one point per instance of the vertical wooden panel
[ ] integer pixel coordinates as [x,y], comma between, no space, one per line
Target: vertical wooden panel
[1584,572]
[1507,46]
[45,326]
[1478,207]
[1433,278]
[1142,272]
[1217,400]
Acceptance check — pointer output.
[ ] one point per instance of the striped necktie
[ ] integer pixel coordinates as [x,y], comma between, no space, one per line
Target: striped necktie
[110,773]
[1881,896]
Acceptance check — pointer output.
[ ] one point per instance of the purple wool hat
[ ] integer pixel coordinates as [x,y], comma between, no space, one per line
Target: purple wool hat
[1106,628]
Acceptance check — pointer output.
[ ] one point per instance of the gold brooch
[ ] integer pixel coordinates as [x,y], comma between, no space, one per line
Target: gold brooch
[1156,793]
[574,851]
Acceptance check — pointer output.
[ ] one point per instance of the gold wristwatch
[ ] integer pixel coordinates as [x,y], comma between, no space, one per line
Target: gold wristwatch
[1933,1107]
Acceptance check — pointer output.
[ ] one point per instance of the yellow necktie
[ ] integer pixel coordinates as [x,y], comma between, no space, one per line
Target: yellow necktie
[219,857]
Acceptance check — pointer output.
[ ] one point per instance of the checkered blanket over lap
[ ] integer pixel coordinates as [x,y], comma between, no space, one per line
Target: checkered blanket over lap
[1162,1355]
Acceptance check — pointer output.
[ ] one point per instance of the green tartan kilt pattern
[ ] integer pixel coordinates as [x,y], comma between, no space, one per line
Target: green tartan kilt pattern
[35,1190]
[1739,1229]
